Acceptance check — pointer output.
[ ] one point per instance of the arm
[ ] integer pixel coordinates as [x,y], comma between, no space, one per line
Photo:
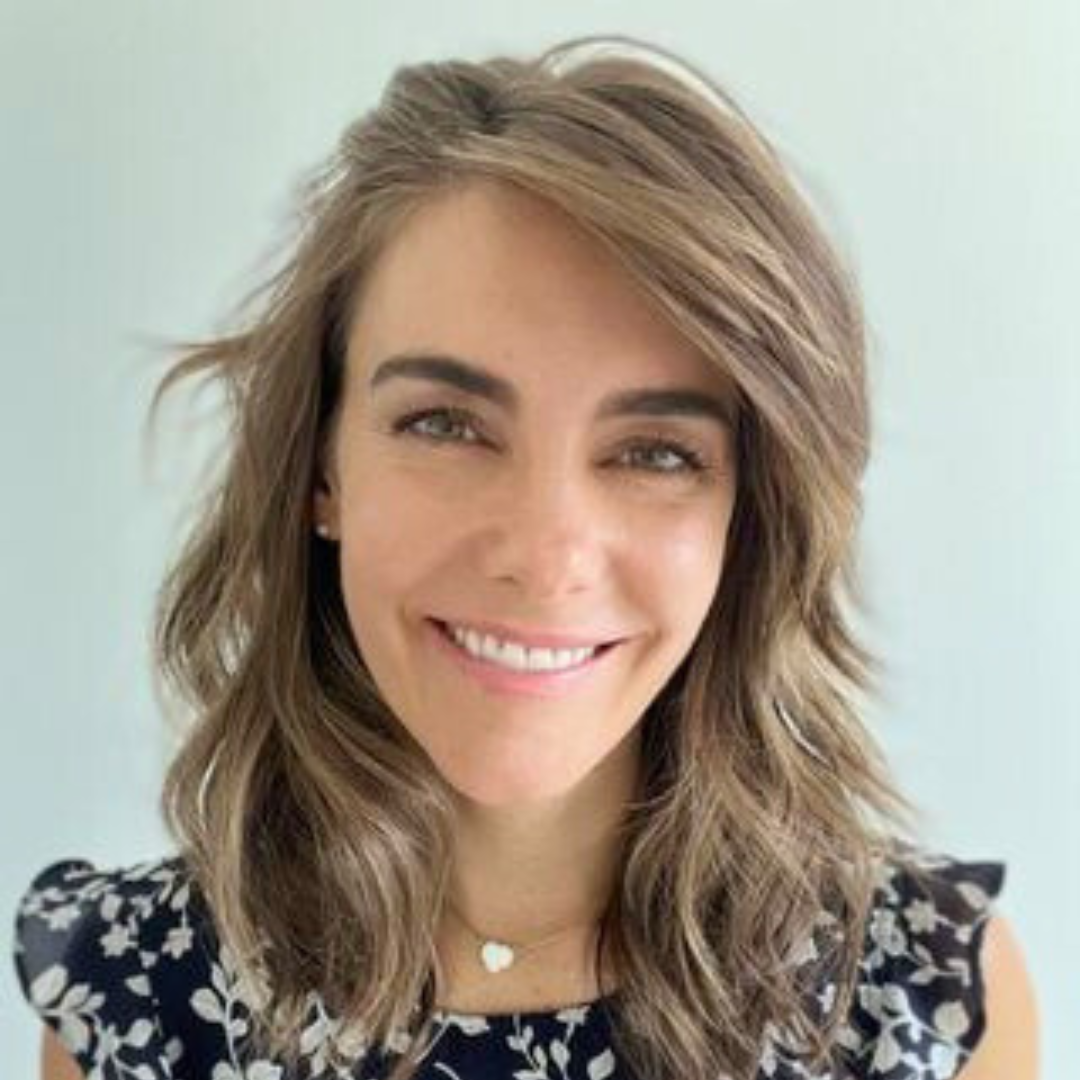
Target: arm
[56,1062]
[1008,1049]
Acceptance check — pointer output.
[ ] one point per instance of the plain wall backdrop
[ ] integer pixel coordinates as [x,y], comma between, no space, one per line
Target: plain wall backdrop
[149,153]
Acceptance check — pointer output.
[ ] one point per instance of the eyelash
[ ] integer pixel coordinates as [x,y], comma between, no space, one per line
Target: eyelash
[693,462]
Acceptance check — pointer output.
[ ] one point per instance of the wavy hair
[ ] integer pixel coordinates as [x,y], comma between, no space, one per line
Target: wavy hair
[316,827]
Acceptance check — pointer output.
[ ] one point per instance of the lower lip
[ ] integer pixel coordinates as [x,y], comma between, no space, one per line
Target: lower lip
[500,680]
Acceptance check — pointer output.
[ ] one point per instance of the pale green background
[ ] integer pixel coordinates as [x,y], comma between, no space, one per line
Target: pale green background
[148,152]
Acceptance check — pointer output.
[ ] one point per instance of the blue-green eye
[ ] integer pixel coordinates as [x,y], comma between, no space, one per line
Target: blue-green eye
[408,424]
[682,459]
[686,460]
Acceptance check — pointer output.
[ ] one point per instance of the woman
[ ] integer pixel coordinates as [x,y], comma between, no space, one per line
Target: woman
[525,731]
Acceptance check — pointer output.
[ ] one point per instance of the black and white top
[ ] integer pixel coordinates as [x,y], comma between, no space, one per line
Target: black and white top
[124,964]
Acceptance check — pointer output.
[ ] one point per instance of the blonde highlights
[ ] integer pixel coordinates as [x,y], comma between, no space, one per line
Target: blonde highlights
[315,826]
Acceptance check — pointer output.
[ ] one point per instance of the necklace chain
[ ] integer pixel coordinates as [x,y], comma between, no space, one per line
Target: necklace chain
[497,955]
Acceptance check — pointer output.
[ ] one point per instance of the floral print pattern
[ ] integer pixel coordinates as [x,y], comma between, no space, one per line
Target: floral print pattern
[124,965]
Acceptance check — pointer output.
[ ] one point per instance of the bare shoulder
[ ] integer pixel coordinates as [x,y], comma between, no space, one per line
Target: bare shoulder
[1009,1047]
[56,1062]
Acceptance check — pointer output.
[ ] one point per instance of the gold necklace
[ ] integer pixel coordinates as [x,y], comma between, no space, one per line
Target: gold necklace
[496,955]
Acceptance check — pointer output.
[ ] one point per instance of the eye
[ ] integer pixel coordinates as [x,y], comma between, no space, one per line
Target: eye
[681,458]
[409,424]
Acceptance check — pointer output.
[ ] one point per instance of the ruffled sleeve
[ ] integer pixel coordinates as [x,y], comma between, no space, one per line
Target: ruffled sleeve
[919,1010]
[78,961]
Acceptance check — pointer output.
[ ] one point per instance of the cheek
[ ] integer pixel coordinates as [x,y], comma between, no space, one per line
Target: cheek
[682,560]
[392,540]
[374,554]
[676,575]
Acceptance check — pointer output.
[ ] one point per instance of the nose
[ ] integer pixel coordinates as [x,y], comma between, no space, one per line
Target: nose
[545,531]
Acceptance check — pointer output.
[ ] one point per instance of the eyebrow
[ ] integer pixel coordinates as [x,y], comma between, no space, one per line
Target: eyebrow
[471,378]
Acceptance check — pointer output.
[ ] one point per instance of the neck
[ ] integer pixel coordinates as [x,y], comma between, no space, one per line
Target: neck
[523,871]
[526,873]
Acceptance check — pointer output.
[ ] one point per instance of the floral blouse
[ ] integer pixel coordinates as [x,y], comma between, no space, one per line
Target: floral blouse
[124,965]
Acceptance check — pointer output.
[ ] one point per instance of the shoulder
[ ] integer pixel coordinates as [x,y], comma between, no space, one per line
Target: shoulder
[1009,1046]
[935,956]
[83,959]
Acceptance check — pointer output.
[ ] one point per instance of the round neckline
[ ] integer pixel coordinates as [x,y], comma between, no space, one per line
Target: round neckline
[442,1015]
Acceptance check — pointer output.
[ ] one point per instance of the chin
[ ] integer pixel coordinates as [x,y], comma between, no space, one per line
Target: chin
[507,790]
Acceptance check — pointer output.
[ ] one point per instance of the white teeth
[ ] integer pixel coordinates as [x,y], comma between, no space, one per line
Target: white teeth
[517,657]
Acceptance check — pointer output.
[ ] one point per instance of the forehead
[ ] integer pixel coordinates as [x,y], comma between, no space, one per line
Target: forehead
[491,271]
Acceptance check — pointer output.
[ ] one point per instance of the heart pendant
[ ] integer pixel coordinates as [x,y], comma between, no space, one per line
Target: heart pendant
[495,956]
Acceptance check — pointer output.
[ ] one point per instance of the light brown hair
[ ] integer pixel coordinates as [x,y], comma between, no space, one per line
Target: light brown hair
[316,827]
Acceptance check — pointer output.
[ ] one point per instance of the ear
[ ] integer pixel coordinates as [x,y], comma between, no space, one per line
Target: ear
[325,501]
[324,511]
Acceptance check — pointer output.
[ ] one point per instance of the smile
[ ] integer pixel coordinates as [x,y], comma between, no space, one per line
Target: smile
[514,655]
[513,669]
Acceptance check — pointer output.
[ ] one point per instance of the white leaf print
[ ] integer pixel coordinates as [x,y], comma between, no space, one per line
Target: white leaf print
[961,967]
[559,1054]
[915,1015]
[894,998]
[75,997]
[217,977]
[870,1000]
[886,1054]
[602,1065]
[48,986]
[470,1025]
[521,1042]
[574,1015]
[139,1033]
[951,1019]
[942,1061]
[74,1033]
[847,1036]
[109,1042]
[263,1070]
[313,1035]
[973,894]
[206,1004]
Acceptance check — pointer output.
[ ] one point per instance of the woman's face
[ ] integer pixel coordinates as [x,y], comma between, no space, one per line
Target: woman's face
[504,483]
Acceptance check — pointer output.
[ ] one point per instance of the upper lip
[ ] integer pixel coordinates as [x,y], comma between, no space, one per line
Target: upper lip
[534,639]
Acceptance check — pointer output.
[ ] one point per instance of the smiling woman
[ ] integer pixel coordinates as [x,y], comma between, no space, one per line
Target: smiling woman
[525,734]
[544,510]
